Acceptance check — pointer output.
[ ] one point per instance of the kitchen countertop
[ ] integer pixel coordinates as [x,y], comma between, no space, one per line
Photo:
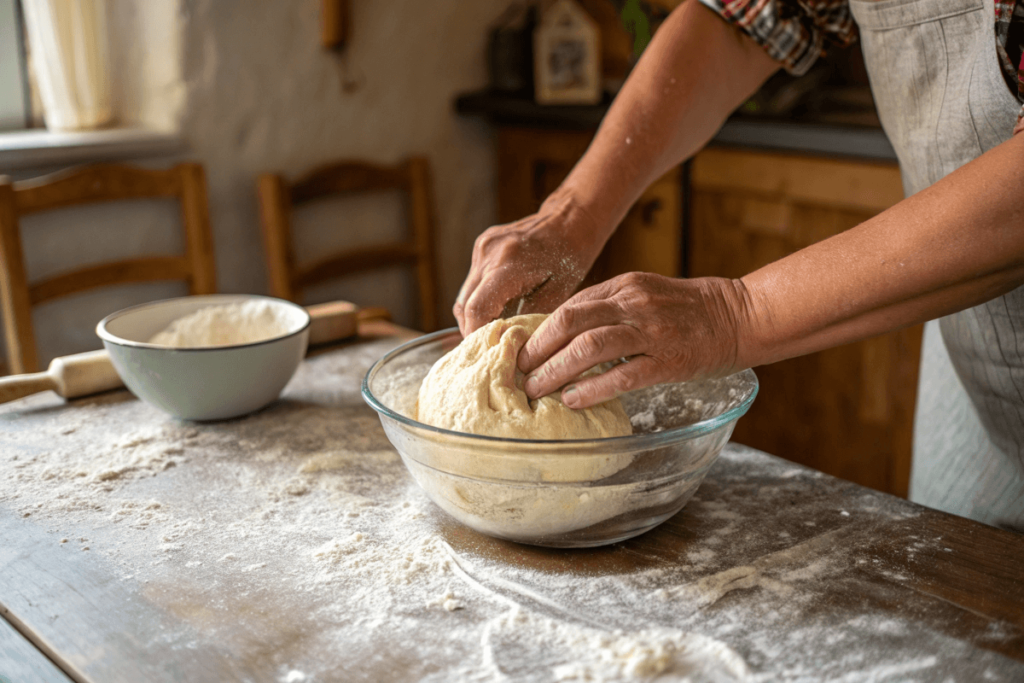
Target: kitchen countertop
[855,142]
[290,545]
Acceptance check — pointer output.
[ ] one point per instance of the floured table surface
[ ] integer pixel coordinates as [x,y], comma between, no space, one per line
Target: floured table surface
[292,546]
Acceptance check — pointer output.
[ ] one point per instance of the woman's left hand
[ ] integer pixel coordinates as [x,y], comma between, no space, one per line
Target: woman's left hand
[668,330]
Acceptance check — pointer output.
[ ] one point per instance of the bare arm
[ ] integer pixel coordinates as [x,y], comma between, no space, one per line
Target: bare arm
[694,73]
[956,244]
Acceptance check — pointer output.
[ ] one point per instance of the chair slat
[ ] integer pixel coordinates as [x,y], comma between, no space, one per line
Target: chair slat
[100,183]
[149,269]
[344,178]
[355,261]
[185,183]
[412,177]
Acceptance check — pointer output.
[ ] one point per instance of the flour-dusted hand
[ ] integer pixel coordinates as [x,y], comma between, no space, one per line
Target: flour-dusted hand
[539,260]
[669,330]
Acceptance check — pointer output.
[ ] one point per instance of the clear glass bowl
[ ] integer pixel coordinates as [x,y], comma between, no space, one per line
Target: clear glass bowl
[563,494]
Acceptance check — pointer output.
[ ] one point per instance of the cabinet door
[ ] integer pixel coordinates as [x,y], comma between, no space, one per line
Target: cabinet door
[846,411]
[532,164]
[650,237]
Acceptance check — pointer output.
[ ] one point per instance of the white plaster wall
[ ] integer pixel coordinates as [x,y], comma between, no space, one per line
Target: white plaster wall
[251,90]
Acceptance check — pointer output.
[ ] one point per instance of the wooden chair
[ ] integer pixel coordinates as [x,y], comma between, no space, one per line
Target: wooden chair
[101,183]
[277,199]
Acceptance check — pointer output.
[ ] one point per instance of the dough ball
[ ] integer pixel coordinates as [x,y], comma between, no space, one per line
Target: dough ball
[476,388]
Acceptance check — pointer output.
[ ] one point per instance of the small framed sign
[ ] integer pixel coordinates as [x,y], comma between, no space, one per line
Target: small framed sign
[567,56]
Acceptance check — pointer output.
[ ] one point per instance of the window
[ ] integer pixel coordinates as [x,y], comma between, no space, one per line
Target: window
[14,98]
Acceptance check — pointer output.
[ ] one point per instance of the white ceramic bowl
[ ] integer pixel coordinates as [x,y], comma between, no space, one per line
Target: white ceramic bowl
[206,383]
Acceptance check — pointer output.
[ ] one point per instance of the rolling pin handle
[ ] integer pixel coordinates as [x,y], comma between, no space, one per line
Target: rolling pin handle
[19,386]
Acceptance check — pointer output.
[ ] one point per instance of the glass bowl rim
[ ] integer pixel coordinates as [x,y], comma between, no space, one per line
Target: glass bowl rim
[632,441]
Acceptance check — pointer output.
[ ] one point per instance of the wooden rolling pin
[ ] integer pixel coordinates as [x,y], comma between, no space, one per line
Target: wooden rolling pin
[92,372]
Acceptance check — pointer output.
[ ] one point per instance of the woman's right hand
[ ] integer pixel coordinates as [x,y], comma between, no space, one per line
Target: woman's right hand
[531,265]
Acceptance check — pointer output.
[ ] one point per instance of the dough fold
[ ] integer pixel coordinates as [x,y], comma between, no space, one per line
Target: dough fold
[476,388]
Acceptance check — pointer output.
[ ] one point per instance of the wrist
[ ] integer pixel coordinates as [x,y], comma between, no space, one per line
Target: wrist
[602,206]
[751,324]
[582,226]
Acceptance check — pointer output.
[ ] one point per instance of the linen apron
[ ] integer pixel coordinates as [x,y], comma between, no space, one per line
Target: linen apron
[942,101]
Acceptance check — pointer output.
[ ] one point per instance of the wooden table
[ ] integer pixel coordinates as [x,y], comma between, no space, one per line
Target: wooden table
[291,546]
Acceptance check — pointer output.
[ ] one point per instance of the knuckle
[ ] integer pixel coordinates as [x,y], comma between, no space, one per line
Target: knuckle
[627,279]
[565,317]
[624,382]
[482,241]
[476,308]
[487,240]
[588,345]
[545,374]
[641,298]
[505,251]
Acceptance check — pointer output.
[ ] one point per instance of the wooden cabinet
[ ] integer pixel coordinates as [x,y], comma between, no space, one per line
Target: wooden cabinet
[532,163]
[846,411]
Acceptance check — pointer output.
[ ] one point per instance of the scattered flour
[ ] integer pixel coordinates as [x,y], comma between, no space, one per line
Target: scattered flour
[227,324]
[363,564]
[520,639]
[446,601]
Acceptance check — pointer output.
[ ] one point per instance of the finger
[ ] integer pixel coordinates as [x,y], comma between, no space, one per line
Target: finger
[569,320]
[495,290]
[638,373]
[581,354]
[468,287]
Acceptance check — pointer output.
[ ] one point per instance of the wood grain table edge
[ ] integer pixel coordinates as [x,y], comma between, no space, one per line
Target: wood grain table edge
[22,661]
[978,569]
[73,609]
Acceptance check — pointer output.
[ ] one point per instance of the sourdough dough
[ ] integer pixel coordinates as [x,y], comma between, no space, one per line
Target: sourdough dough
[477,389]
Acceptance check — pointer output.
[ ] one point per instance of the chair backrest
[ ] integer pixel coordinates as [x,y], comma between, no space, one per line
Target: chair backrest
[100,183]
[277,199]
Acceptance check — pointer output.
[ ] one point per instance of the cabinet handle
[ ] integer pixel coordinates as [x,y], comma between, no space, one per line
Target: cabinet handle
[648,210]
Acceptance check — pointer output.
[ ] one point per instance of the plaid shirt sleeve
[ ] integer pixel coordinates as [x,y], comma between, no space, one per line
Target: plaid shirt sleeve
[793,32]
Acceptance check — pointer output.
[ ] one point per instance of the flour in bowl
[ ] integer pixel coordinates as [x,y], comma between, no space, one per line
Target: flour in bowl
[225,325]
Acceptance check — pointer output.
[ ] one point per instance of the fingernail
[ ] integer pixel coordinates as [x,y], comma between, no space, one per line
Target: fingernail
[570,396]
[530,386]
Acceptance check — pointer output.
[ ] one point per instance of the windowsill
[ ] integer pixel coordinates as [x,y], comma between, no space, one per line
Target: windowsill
[39,148]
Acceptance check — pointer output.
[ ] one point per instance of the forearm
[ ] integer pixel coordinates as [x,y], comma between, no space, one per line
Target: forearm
[954,245]
[694,73]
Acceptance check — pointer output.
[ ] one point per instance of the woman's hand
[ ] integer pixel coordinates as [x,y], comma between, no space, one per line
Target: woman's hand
[668,330]
[530,266]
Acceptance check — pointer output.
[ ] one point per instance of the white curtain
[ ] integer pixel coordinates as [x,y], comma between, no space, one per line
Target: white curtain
[68,41]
